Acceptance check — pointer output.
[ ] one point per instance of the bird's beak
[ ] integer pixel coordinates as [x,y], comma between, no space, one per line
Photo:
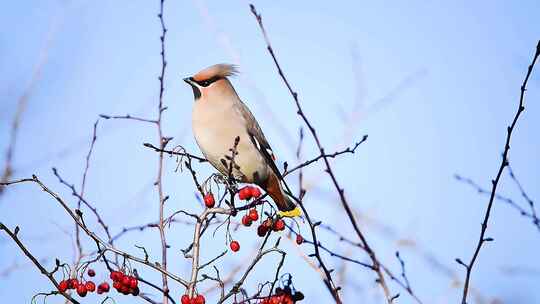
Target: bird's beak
[189,81]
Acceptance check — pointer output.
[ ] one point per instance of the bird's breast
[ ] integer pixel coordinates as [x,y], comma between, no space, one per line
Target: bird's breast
[215,129]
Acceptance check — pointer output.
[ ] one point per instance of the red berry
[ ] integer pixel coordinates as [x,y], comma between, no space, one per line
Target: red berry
[199,300]
[63,286]
[235,246]
[279,225]
[116,285]
[116,275]
[91,272]
[125,281]
[209,200]
[90,286]
[253,214]
[104,286]
[120,277]
[124,290]
[244,193]
[299,239]
[246,221]
[73,283]
[99,291]
[262,230]
[255,192]
[185,299]
[81,290]
[133,282]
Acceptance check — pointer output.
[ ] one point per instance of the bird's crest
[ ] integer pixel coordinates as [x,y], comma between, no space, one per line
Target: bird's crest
[216,71]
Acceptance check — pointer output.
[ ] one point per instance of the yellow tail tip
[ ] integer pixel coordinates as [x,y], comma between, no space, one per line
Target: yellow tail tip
[292,213]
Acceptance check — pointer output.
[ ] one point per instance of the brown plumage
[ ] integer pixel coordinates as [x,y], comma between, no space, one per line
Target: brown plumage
[273,188]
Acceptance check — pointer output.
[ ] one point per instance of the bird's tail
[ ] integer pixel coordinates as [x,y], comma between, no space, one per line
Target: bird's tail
[286,206]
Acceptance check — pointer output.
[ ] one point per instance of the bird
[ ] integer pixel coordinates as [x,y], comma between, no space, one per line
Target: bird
[220,120]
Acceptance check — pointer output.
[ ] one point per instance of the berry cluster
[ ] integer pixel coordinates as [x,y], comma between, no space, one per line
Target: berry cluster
[198,299]
[252,215]
[281,299]
[249,192]
[125,284]
[83,288]
[270,224]
[283,296]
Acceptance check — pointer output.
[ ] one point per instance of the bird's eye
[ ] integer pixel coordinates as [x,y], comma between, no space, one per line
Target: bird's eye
[205,83]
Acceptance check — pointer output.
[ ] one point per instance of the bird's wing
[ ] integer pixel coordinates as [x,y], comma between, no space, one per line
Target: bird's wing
[258,139]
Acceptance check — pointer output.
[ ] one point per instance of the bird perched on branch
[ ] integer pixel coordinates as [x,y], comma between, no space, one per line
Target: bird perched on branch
[220,118]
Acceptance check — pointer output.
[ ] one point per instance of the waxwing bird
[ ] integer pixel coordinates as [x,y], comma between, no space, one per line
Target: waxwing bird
[219,117]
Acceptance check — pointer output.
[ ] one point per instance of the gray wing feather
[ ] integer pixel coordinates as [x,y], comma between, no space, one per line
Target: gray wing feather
[258,138]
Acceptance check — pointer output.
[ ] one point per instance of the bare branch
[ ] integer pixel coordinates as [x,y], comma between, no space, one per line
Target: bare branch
[532,215]
[105,246]
[48,274]
[331,155]
[129,117]
[170,152]
[495,182]
[376,264]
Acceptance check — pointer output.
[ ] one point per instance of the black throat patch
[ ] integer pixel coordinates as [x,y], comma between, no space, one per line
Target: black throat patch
[196,92]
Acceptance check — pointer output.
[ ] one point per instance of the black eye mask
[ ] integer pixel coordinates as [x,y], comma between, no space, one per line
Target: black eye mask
[207,82]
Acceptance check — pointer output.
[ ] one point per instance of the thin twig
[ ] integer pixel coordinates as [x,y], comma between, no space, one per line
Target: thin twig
[81,196]
[48,274]
[170,152]
[129,117]
[236,287]
[330,155]
[495,182]
[531,215]
[530,202]
[85,202]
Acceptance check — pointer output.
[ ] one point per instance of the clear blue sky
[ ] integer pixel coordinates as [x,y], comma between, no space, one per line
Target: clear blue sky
[433,84]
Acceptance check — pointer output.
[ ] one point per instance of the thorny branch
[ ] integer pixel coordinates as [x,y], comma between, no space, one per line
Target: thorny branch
[236,287]
[81,196]
[103,246]
[494,183]
[402,283]
[162,142]
[48,274]
[83,200]
[531,215]
[376,264]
